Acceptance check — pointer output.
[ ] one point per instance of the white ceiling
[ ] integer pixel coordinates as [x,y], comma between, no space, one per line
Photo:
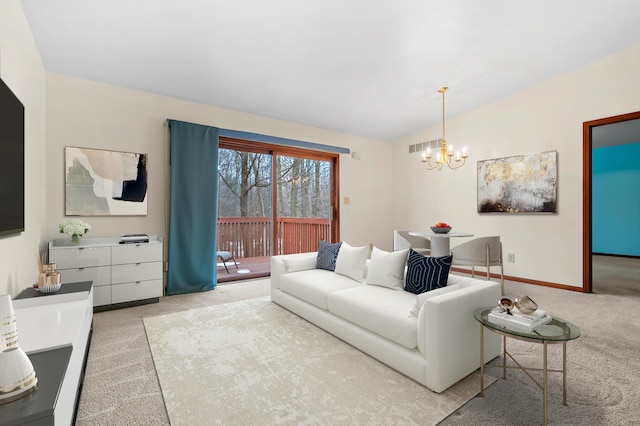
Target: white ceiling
[364,67]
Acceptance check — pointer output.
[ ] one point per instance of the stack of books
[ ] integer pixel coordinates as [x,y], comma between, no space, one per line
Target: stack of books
[517,320]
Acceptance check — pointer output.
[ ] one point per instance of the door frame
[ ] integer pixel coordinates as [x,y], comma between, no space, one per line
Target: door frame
[587,188]
[226,142]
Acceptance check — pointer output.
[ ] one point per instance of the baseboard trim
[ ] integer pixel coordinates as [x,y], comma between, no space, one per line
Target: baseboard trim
[113,306]
[616,255]
[521,280]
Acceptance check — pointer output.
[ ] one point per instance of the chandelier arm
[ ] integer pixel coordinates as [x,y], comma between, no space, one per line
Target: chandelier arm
[459,165]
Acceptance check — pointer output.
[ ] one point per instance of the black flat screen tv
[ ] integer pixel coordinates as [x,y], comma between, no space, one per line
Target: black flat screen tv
[11,162]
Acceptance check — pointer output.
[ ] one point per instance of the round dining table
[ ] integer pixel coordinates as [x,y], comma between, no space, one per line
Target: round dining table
[440,242]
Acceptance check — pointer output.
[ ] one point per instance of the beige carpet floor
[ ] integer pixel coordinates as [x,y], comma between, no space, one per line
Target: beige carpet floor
[121,386]
[603,381]
[255,363]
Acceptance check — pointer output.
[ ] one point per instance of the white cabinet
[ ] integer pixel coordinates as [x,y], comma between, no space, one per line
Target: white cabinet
[120,272]
[59,320]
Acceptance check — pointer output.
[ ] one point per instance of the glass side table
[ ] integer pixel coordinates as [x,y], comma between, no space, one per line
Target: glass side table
[558,331]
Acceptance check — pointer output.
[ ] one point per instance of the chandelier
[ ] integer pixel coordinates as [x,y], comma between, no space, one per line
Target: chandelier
[445,154]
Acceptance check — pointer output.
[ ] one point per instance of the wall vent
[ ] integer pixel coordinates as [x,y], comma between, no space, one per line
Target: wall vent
[421,147]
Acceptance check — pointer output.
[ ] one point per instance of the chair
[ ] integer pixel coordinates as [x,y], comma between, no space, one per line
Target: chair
[226,256]
[402,240]
[485,251]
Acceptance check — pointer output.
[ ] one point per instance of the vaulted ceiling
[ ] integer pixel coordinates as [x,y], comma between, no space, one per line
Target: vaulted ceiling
[368,68]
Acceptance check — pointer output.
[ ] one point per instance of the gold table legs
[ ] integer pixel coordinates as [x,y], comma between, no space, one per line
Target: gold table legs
[545,369]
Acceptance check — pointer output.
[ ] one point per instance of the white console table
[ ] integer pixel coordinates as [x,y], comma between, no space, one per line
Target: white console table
[55,332]
[122,274]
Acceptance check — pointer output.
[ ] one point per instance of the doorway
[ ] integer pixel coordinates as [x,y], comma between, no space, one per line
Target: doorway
[588,130]
[273,200]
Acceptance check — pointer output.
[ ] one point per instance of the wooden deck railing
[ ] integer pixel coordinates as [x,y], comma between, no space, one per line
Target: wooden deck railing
[250,236]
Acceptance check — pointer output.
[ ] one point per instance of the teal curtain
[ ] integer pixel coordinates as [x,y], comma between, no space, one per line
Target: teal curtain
[193,208]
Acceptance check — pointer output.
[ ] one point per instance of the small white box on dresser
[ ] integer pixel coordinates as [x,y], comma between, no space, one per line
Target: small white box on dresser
[120,273]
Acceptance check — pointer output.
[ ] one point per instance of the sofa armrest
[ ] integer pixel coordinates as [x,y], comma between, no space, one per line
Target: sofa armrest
[285,263]
[452,334]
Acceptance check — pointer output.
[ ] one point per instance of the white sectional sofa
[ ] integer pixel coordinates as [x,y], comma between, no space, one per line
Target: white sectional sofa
[431,337]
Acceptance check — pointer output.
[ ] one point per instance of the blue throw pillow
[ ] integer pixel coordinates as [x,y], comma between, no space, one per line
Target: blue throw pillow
[327,255]
[426,273]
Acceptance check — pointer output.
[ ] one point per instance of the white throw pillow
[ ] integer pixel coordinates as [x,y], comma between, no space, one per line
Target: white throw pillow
[351,261]
[387,269]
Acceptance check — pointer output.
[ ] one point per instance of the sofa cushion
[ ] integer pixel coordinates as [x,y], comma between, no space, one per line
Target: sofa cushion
[425,273]
[351,261]
[313,285]
[378,309]
[327,255]
[295,264]
[387,269]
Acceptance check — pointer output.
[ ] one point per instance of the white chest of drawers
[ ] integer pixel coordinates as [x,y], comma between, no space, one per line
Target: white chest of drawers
[121,273]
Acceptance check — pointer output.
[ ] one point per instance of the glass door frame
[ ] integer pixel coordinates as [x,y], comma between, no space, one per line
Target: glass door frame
[281,150]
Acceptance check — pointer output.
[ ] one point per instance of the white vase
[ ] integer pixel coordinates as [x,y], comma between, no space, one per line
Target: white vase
[8,331]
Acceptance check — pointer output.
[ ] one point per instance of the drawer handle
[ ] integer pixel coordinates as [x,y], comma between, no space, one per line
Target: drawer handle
[138,282]
[80,248]
[139,263]
[80,269]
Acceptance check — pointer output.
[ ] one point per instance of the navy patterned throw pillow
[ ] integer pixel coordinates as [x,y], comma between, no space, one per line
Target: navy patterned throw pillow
[426,273]
[327,255]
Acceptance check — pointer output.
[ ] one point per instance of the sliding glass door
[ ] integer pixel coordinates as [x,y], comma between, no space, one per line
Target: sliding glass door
[244,204]
[273,200]
[304,209]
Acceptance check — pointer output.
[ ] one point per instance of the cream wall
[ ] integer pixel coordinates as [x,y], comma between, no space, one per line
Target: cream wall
[383,196]
[21,69]
[548,116]
[89,114]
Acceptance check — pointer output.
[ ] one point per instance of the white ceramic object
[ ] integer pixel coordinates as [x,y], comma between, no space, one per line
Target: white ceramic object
[8,331]
[49,288]
[17,376]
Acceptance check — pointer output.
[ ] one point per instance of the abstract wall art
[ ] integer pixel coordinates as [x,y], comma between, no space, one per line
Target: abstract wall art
[105,183]
[518,184]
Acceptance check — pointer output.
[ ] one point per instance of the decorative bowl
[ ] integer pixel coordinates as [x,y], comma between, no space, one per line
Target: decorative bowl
[525,304]
[440,230]
[505,304]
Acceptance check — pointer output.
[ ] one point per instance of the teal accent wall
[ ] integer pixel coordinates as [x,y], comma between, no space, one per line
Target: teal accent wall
[616,199]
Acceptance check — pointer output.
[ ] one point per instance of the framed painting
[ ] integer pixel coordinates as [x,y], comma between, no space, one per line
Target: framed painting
[105,183]
[519,184]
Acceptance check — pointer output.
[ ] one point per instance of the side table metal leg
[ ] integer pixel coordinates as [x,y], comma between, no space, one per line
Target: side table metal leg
[504,357]
[481,360]
[544,379]
[564,373]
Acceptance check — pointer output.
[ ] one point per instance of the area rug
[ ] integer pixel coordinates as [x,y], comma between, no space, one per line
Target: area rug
[253,362]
